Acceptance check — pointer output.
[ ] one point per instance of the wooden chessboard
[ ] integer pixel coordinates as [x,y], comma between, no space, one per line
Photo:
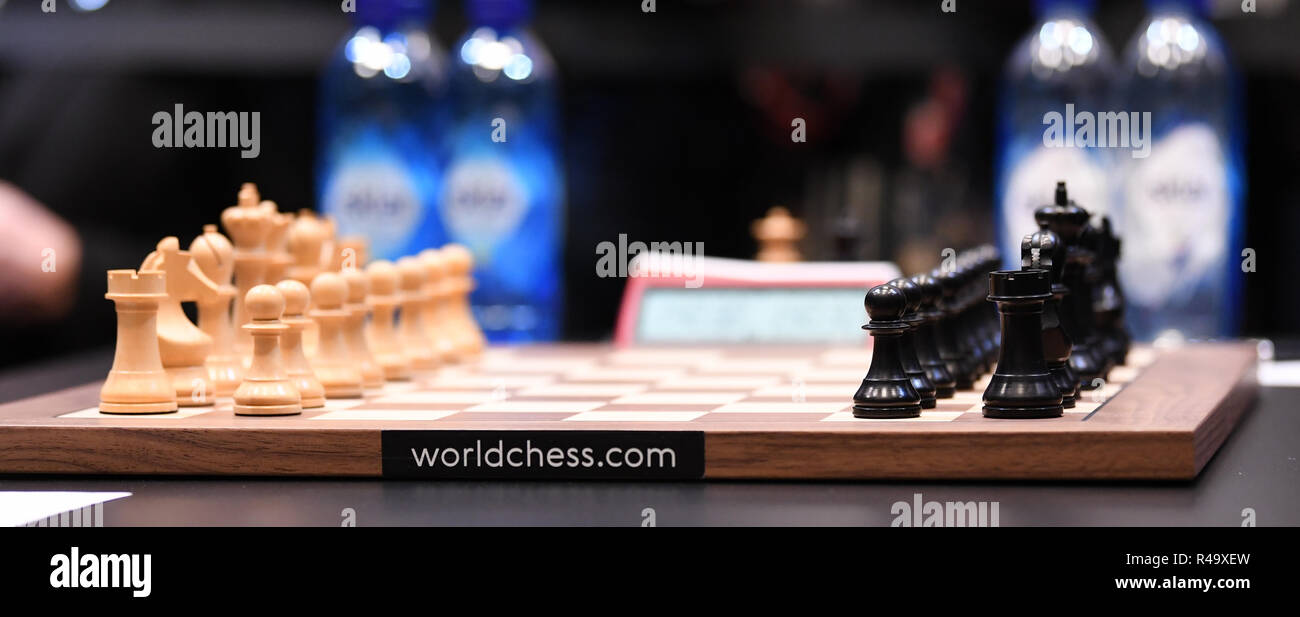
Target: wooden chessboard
[684,412]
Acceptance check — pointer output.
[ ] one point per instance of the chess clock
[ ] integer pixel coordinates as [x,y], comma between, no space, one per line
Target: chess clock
[676,299]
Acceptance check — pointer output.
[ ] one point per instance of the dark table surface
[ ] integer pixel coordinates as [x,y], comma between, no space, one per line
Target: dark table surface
[1257,468]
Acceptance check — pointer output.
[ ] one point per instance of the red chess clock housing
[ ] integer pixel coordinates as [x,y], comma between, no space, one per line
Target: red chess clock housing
[678,299]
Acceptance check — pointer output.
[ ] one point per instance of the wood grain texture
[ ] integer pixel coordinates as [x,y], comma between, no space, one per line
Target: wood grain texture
[1166,423]
[987,455]
[191,451]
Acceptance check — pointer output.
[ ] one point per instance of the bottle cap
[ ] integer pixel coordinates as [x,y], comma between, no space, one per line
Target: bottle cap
[385,14]
[499,13]
[1043,8]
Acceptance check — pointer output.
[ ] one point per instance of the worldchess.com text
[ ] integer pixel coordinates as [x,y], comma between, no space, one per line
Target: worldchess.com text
[501,455]
[1180,583]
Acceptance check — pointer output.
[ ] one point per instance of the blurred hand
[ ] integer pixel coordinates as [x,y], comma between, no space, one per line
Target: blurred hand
[40,259]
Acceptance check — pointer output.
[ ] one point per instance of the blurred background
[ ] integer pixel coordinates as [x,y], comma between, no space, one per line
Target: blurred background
[673,125]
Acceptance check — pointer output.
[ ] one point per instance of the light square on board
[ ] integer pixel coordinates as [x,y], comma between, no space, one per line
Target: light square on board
[1123,374]
[335,403]
[493,381]
[183,412]
[439,396]
[782,407]
[635,416]
[828,375]
[535,365]
[607,373]
[683,397]
[386,415]
[664,357]
[1083,407]
[749,366]
[536,406]
[857,358]
[716,382]
[583,389]
[791,391]
[392,387]
[741,418]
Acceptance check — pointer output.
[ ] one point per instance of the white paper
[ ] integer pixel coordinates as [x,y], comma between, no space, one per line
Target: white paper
[1279,374]
[22,507]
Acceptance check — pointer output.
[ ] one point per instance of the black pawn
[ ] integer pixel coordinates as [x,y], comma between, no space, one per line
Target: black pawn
[1022,386]
[907,343]
[989,311]
[976,287]
[927,349]
[1108,297]
[984,340]
[1043,250]
[950,336]
[968,289]
[886,392]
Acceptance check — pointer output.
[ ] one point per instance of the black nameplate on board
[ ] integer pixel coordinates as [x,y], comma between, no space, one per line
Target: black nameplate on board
[544,455]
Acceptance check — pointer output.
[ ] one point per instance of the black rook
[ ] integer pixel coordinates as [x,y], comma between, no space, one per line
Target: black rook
[1022,386]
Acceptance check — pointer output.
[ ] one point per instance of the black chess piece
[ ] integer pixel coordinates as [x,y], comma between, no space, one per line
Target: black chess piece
[954,355]
[963,300]
[924,338]
[1043,250]
[886,391]
[973,291]
[1022,386]
[1088,282]
[968,294]
[1069,221]
[1108,296]
[907,343]
[986,315]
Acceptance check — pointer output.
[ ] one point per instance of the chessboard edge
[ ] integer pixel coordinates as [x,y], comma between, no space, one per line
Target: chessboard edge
[193,451]
[1218,425]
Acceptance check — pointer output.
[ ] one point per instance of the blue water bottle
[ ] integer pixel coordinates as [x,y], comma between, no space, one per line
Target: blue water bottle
[1058,74]
[1180,202]
[383,117]
[503,194]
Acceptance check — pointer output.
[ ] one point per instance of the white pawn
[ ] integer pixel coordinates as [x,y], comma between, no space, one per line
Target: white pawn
[384,300]
[415,341]
[355,329]
[333,361]
[266,389]
[296,299]
[435,308]
[465,331]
